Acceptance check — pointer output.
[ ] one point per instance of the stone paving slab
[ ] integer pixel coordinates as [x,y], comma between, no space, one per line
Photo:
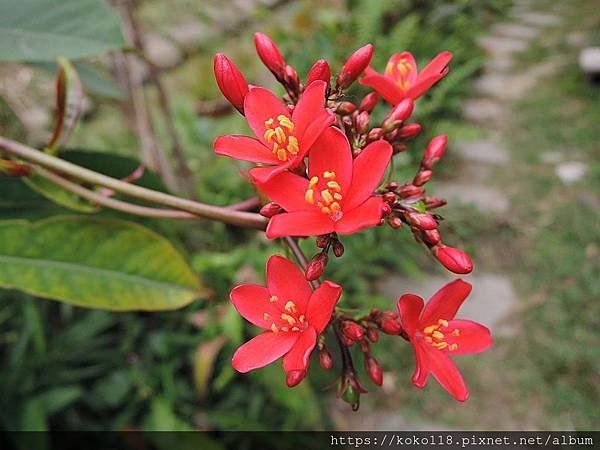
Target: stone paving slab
[539,19]
[484,198]
[515,31]
[571,172]
[491,302]
[484,111]
[482,151]
[495,44]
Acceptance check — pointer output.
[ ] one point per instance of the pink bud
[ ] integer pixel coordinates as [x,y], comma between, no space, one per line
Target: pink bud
[270,209]
[319,71]
[401,111]
[374,370]
[431,237]
[270,55]
[369,102]
[409,190]
[352,330]
[395,222]
[434,202]
[354,66]
[372,334]
[362,122]
[338,248]
[230,80]
[345,108]
[398,147]
[434,151]
[291,78]
[316,266]
[408,131]
[389,324]
[325,359]
[453,259]
[375,134]
[322,240]
[386,210]
[422,221]
[294,377]
[422,177]
[389,197]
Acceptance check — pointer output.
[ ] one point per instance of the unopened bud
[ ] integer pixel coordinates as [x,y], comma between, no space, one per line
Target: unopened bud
[422,221]
[401,111]
[389,324]
[392,186]
[395,222]
[431,237]
[230,80]
[374,370]
[325,359]
[434,202]
[434,151]
[372,334]
[352,330]
[294,377]
[390,128]
[291,78]
[410,130]
[338,248]
[316,266]
[386,210]
[453,259]
[361,122]
[270,55]
[369,102]
[322,240]
[270,209]
[345,108]
[351,396]
[389,197]
[375,134]
[422,177]
[364,346]
[409,190]
[319,71]
[398,147]
[354,66]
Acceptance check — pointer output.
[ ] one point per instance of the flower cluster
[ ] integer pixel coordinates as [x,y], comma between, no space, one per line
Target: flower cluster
[320,163]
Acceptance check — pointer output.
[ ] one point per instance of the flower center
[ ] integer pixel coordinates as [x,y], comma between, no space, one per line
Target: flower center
[399,72]
[279,134]
[329,199]
[437,335]
[288,320]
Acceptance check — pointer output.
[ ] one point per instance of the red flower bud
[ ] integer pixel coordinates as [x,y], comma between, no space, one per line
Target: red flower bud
[352,330]
[434,151]
[354,66]
[453,259]
[325,359]
[395,222]
[361,122]
[375,134]
[372,334]
[294,377]
[374,370]
[389,324]
[401,111]
[386,210]
[230,80]
[316,266]
[319,71]
[270,55]
[270,209]
[434,202]
[322,240]
[422,177]
[291,78]
[338,248]
[431,237]
[369,102]
[392,186]
[410,130]
[389,197]
[398,147]
[364,346]
[345,108]
[422,221]
[409,190]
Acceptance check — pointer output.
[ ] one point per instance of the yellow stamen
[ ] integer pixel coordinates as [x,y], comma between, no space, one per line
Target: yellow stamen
[269,122]
[273,299]
[289,319]
[428,339]
[302,318]
[443,323]
[456,332]
[313,182]
[441,345]
[430,329]
[335,206]
[325,210]
[269,135]
[295,329]
[274,328]
[327,196]
[281,138]
[329,175]
[334,185]
[285,329]
[436,334]
[281,155]
[310,196]
[453,347]
[290,307]
[337,196]
[266,316]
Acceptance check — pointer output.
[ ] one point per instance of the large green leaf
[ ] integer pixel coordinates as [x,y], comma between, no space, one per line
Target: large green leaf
[43,30]
[95,262]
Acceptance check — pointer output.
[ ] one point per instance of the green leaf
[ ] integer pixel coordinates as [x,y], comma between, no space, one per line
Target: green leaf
[96,263]
[44,30]
[59,195]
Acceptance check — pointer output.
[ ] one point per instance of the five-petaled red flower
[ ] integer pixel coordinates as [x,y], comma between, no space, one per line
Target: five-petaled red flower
[291,313]
[401,79]
[283,138]
[435,335]
[338,196]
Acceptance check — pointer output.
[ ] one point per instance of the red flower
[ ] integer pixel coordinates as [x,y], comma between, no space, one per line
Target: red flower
[283,139]
[401,79]
[291,313]
[339,195]
[435,335]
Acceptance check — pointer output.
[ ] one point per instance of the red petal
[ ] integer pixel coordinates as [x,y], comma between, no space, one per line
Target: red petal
[422,86]
[385,86]
[410,307]
[261,105]
[265,174]
[252,302]
[395,73]
[309,107]
[421,373]
[244,148]
[321,304]
[366,215]
[299,223]
[262,350]
[446,372]
[285,188]
[473,337]
[331,152]
[299,356]
[287,282]
[437,65]
[321,123]
[368,170]
[370,71]
[445,302]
